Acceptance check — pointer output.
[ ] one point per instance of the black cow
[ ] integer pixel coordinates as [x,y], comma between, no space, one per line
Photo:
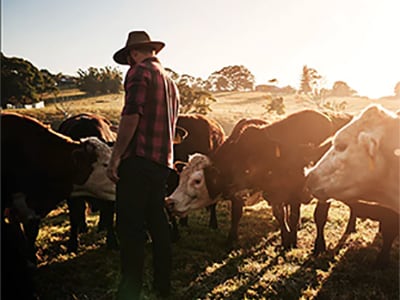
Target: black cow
[77,127]
[40,168]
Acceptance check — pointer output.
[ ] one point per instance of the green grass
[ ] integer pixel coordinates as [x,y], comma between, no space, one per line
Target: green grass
[204,268]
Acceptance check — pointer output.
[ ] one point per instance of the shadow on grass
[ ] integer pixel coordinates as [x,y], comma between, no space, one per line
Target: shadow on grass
[343,273]
[91,275]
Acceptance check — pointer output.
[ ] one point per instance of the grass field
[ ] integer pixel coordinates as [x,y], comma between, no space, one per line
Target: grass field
[203,267]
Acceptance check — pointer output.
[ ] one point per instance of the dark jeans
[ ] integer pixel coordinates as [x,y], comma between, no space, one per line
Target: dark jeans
[140,207]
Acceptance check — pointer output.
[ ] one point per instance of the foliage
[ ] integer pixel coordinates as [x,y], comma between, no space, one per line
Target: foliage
[274,105]
[100,80]
[342,89]
[231,78]
[310,81]
[194,100]
[22,82]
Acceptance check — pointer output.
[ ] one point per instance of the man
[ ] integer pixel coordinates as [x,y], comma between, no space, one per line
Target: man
[141,161]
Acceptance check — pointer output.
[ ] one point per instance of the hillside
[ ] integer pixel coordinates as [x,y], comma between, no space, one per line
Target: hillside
[203,268]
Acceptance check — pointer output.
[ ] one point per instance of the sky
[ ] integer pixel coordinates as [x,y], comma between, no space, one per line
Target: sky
[356,41]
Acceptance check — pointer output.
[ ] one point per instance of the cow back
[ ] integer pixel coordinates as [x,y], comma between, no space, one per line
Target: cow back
[204,136]
[85,125]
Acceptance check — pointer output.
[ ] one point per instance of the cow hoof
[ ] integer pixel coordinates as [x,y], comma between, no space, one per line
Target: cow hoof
[318,250]
[231,243]
[72,246]
[213,225]
[112,242]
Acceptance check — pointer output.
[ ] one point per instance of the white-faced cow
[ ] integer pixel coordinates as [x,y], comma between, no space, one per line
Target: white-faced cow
[269,159]
[204,135]
[41,167]
[78,127]
[362,169]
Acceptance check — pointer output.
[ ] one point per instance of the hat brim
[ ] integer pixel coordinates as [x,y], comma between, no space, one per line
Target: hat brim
[121,56]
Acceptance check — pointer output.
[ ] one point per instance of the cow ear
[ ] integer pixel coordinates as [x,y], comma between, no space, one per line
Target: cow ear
[370,142]
[180,135]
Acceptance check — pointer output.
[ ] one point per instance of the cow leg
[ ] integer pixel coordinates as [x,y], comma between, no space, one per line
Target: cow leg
[320,218]
[107,210]
[31,230]
[280,213]
[175,235]
[389,229]
[76,206]
[294,223]
[213,216]
[236,214]
[351,224]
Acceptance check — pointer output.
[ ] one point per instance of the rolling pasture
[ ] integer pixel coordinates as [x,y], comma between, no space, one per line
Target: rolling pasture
[203,267]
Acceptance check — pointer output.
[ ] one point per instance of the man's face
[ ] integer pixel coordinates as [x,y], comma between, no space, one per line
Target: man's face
[131,57]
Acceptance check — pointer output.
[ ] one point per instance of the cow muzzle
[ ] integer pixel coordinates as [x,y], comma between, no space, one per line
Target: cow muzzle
[313,186]
[170,205]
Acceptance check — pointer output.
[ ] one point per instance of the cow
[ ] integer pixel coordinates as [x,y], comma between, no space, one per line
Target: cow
[81,126]
[266,159]
[204,135]
[40,168]
[361,169]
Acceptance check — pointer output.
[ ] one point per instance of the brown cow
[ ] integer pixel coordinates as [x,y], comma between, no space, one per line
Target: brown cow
[40,168]
[270,159]
[77,127]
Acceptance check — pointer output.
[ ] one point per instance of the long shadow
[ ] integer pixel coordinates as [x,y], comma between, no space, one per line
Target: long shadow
[354,269]
[326,275]
[357,269]
[205,282]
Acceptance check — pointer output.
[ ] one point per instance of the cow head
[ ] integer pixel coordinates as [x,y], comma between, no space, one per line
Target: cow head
[191,192]
[362,162]
[91,163]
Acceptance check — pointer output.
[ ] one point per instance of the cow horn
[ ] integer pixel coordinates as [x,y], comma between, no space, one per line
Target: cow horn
[180,134]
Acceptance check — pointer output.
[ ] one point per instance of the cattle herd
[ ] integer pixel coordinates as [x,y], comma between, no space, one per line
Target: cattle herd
[306,155]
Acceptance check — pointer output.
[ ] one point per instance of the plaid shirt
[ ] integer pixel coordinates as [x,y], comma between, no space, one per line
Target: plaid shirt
[145,94]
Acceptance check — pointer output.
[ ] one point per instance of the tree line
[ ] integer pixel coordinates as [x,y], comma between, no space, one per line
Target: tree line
[23,83]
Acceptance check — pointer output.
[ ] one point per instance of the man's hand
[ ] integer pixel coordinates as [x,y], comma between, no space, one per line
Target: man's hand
[112,169]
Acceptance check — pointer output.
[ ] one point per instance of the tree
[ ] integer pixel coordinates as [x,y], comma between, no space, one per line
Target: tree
[22,82]
[341,89]
[397,89]
[100,81]
[310,81]
[232,78]
[194,100]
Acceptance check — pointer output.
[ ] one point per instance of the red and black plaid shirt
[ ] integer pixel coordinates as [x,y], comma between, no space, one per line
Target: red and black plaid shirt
[145,94]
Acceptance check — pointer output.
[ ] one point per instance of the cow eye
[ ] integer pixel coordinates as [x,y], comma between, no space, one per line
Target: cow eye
[340,147]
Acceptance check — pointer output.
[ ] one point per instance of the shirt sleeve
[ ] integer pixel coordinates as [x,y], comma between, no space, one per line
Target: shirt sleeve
[136,87]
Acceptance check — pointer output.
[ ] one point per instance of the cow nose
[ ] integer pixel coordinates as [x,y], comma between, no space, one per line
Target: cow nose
[313,186]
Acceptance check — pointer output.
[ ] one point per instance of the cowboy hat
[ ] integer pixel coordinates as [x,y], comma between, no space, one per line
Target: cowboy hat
[135,39]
